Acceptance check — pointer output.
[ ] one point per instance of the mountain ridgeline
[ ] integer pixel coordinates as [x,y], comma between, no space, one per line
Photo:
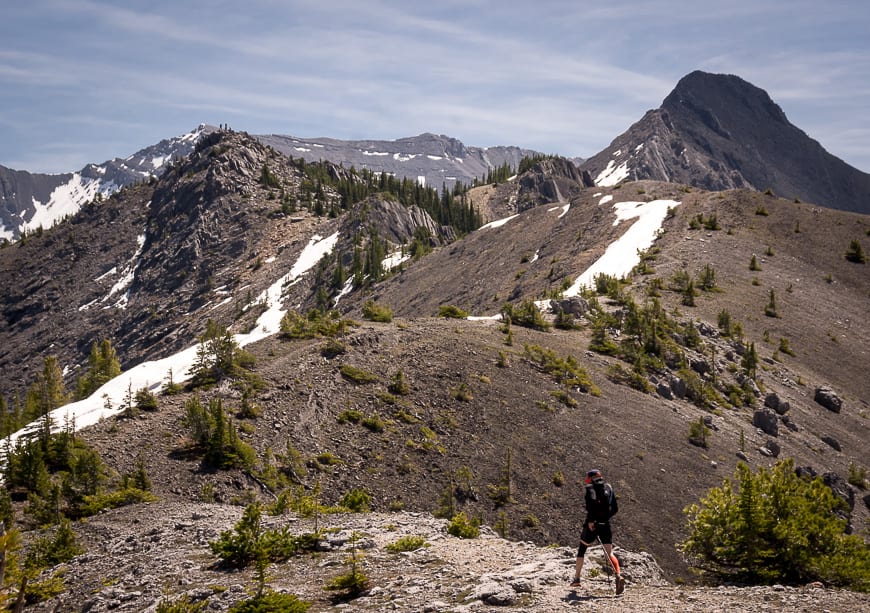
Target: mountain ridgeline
[738,338]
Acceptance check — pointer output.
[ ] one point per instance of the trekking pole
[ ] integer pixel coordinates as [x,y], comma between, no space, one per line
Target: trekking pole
[607,555]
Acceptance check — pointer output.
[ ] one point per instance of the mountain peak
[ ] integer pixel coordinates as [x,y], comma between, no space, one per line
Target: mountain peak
[718,132]
[722,93]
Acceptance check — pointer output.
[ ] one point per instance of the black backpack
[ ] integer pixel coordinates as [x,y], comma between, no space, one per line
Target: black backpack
[602,507]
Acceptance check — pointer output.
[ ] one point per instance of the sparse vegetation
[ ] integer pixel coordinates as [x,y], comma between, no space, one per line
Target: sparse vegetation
[357,375]
[407,543]
[376,312]
[855,253]
[462,527]
[699,433]
[450,311]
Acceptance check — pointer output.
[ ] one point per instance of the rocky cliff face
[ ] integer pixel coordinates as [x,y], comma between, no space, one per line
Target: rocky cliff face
[720,132]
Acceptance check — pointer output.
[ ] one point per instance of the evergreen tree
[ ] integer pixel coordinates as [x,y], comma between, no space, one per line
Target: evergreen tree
[855,253]
[775,526]
[103,366]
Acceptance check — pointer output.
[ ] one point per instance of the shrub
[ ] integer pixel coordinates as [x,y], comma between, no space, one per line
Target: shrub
[462,392]
[181,605]
[356,500]
[249,541]
[52,549]
[399,384]
[770,309]
[407,543]
[707,278]
[357,375]
[374,422]
[271,602]
[698,433]
[753,263]
[526,314]
[145,400]
[564,370]
[91,505]
[775,527]
[350,415]
[857,476]
[451,312]
[315,324]
[460,526]
[375,312]
[355,581]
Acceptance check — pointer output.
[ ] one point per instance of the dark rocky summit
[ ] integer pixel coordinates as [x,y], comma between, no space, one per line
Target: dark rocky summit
[719,132]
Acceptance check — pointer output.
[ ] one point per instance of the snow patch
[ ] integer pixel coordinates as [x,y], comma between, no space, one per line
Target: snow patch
[394,259]
[605,199]
[497,223]
[375,153]
[621,255]
[302,149]
[435,157]
[612,174]
[404,158]
[65,200]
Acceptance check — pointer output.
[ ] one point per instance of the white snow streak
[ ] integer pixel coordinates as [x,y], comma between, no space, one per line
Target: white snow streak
[497,223]
[621,256]
[605,199]
[612,174]
[108,399]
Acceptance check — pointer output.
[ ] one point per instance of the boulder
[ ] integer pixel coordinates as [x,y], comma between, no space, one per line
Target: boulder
[773,401]
[828,398]
[770,449]
[575,306]
[765,419]
[832,442]
[678,386]
[789,423]
[664,390]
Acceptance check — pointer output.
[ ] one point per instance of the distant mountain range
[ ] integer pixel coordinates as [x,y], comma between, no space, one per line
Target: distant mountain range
[712,131]
[430,159]
[30,200]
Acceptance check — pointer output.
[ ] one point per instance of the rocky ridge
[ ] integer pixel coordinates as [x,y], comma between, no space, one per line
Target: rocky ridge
[142,555]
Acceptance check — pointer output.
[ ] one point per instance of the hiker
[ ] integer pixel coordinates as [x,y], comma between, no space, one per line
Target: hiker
[601,505]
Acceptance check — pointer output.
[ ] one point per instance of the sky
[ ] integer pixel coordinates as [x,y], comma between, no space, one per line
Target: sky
[88,80]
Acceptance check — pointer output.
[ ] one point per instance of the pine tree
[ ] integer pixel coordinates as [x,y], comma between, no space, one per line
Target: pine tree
[103,366]
[855,253]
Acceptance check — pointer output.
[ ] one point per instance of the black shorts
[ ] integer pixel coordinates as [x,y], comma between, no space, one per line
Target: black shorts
[602,531]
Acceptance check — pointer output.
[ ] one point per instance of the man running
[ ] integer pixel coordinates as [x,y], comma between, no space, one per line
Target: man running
[601,505]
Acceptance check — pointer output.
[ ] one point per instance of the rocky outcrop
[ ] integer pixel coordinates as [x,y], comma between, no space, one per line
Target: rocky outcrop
[552,180]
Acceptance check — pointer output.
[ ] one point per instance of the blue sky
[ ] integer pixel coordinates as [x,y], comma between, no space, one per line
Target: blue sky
[87,80]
